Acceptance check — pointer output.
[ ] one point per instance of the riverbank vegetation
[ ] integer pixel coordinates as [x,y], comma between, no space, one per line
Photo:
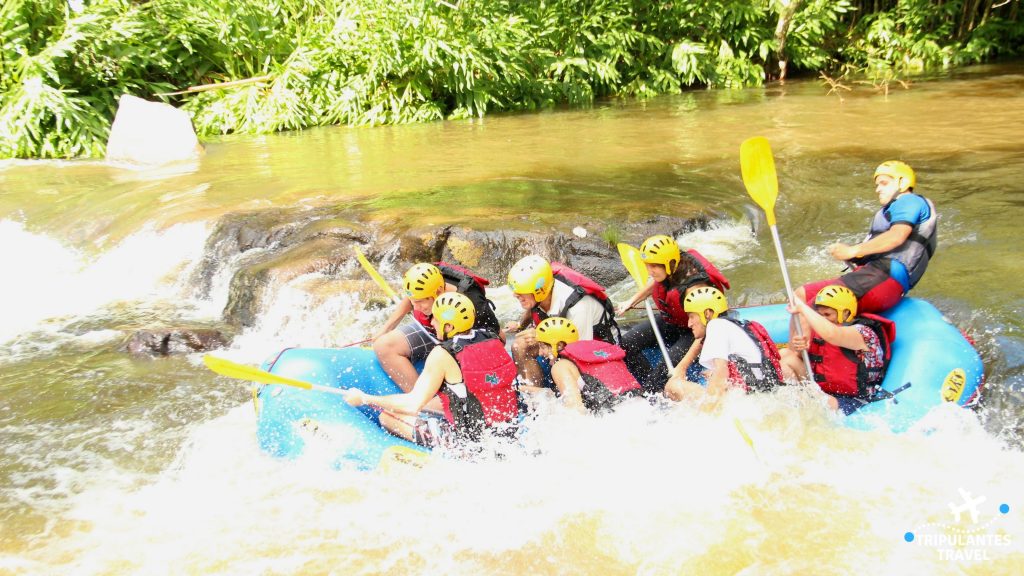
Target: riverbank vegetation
[294,64]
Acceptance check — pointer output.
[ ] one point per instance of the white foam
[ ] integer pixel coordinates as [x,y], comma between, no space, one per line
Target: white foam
[724,242]
[651,490]
[51,283]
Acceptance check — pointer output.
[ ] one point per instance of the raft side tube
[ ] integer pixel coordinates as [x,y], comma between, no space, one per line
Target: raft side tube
[289,416]
[927,350]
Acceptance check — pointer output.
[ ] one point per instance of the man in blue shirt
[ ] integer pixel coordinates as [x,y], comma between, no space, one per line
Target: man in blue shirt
[895,253]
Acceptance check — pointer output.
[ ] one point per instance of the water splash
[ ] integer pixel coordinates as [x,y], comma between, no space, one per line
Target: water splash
[55,284]
[660,489]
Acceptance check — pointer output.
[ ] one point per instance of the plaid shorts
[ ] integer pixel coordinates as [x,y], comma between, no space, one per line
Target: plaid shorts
[420,342]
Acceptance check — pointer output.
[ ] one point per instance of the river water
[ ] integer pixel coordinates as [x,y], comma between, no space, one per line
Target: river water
[113,464]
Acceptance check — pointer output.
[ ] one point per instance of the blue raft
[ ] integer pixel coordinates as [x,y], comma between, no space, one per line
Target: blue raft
[929,353]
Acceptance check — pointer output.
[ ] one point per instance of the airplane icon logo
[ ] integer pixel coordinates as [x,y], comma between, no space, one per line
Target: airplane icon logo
[970,505]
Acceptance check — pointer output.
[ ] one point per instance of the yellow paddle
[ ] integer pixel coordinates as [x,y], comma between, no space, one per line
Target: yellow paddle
[376,277]
[384,286]
[758,167]
[634,263]
[746,437]
[253,374]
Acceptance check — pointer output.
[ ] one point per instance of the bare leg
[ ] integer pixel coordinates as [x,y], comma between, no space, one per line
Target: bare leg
[401,426]
[525,357]
[393,353]
[566,377]
[832,402]
[792,364]
[682,390]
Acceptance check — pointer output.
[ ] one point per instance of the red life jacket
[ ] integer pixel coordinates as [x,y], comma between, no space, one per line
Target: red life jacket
[488,371]
[606,327]
[711,274]
[669,299]
[842,371]
[604,372]
[670,302]
[462,278]
[762,376]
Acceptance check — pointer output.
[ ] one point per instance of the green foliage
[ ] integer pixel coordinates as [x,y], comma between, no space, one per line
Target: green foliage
[612,234]
[322,62]
[918,35]
[817,34]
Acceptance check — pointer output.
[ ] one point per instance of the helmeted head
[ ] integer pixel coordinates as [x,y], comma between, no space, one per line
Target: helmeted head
[899,171]
[422,280]
[704,298]
[453,313]
[839,298]
[532,275]
[556,330]
[661,249]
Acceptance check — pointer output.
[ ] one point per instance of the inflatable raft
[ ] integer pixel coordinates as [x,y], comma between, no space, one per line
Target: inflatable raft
[932,363]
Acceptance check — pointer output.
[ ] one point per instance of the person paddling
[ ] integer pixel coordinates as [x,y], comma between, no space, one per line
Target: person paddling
[399,348]
[588,374]
[471,373]
[849,353]
[544,288]
[735,353]
[672,273]
[895,254]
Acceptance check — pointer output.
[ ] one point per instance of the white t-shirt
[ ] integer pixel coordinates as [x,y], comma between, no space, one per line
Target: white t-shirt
[585,314]
[724,339]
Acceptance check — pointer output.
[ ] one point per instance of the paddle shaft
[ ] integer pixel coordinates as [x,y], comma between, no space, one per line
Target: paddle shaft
[789,293]
[634,264]
[657,336]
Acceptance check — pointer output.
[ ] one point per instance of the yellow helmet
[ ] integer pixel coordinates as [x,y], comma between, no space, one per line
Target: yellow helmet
[705,298]
[661,249]
[839,298]
[532,275]
[898,170]
[554,330]
[455,309]
[423,280]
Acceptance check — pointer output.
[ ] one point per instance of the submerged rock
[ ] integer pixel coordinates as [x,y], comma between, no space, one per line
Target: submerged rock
[492,253]
[274,247]
[168,341]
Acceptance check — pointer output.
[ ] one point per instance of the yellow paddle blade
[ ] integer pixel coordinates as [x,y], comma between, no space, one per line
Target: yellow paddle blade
[743,432]
[758,167]
[251,373]
[376,277]
[634,263]
[394,457]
